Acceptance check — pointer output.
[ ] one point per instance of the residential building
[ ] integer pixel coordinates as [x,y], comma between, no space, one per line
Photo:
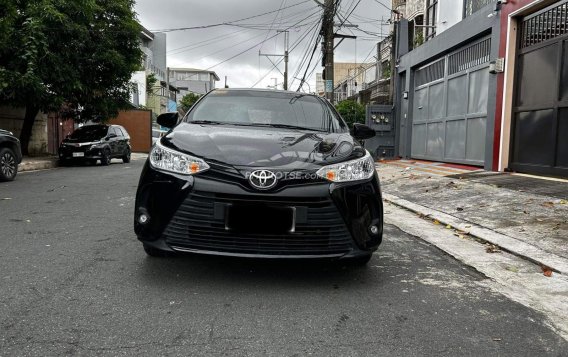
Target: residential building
[445,93]
[350,85]
[156,98]
[531,113]
[341,72]
[192,80]
[488,87]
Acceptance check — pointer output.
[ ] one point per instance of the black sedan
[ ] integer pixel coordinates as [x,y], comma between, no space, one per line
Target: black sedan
[258,173]
[96,142]
[10,155]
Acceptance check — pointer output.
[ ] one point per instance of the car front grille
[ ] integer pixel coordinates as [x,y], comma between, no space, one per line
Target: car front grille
[195,227]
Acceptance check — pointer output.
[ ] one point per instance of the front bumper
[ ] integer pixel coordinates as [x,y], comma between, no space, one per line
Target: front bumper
[189,214]
[87,152]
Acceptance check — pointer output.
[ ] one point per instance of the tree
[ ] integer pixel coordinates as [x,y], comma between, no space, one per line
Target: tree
[188,101]
[351,111]
[78,55]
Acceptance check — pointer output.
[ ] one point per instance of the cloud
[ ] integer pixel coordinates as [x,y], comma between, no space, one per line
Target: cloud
[234,51]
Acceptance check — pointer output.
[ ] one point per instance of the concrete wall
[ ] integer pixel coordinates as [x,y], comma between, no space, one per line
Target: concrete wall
[138,123]
[12,119]
[450,12]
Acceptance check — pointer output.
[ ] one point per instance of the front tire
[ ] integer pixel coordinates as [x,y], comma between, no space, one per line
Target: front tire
[8,165]
[126,157]
[105,158]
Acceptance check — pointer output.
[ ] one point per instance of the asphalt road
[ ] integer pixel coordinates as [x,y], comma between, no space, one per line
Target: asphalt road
[74,280]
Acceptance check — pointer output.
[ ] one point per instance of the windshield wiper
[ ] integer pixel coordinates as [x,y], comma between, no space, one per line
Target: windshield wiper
[206,122]
[287,126]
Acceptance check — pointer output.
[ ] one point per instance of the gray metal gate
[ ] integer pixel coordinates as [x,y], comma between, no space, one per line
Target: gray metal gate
[449,114]
[381,119]
[540,116]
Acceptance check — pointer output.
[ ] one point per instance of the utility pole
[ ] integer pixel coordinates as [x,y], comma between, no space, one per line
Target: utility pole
[328,35]
[285,55]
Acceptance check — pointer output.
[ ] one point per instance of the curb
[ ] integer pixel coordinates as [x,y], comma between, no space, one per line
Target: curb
[519,248]
[37,165]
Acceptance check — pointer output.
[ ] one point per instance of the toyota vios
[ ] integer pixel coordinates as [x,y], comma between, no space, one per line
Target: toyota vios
[258,173]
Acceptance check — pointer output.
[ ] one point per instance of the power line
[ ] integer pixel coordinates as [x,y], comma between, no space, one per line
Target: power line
[229,22]
[250,48]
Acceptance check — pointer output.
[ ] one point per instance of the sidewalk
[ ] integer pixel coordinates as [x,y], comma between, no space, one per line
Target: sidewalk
[37,163]
[525,215]
[50,162]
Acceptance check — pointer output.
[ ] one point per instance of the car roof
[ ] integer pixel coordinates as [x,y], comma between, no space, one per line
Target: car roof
[284,93]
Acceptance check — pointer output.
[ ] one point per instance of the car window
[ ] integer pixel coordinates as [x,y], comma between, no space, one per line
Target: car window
[266,108]
[89,133]
[123,130]
[118,131]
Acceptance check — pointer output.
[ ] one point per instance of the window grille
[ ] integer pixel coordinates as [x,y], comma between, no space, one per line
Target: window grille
[430,73]
[469,57]
[545,25]
[472,6]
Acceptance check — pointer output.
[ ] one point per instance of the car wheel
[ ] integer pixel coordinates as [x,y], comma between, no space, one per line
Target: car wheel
[360,261]
[8,165]
[126,157]
[105,157]
[156,253]
[64,163]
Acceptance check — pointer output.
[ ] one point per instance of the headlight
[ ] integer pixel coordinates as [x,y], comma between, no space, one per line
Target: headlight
[355,170]
[170,160]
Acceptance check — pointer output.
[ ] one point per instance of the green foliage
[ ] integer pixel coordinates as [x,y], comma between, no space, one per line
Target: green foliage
[418,39]
[351,111]
[188,101]
[386,70]
[151,81]
[80,53]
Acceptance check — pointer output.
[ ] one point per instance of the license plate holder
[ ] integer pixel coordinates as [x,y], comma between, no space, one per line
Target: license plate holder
[259,219]
[78,154]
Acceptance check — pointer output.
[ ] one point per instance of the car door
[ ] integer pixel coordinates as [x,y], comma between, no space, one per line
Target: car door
[113,141]
[120,140]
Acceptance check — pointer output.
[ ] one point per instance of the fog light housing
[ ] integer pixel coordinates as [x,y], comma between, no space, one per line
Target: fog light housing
[143,218]
[374,230]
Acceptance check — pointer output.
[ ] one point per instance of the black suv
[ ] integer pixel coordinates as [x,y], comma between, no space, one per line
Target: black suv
[10,155]
[96,142]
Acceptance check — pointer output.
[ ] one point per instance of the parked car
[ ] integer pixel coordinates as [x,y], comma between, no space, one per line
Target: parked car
[257,173]
[96,142]
[10,155]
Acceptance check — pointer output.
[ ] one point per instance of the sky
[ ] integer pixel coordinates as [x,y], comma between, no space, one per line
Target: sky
[233,50]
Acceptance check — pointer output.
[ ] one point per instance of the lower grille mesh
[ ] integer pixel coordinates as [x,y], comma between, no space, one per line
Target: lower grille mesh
[194,226]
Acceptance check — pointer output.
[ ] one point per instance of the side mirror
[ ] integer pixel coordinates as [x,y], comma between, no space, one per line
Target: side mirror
[362,132]
[168,120]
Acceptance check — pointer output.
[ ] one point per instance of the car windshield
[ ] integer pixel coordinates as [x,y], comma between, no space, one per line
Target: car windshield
[265,108]
[89,133]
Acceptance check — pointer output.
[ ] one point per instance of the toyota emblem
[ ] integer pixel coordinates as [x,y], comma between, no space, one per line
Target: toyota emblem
[263,179]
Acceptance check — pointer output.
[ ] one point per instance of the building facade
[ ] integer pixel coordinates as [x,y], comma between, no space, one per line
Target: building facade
[489,87]
[531,115]
[445,92]
[154,96]
[191,80]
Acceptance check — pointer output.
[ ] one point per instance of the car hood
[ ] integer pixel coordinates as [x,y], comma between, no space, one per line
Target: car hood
[262,146]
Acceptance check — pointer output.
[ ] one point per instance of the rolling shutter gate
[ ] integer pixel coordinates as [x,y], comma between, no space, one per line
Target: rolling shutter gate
[449,114]
[539,127]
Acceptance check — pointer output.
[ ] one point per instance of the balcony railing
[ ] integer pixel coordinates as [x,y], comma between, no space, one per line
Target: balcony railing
[472,6]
